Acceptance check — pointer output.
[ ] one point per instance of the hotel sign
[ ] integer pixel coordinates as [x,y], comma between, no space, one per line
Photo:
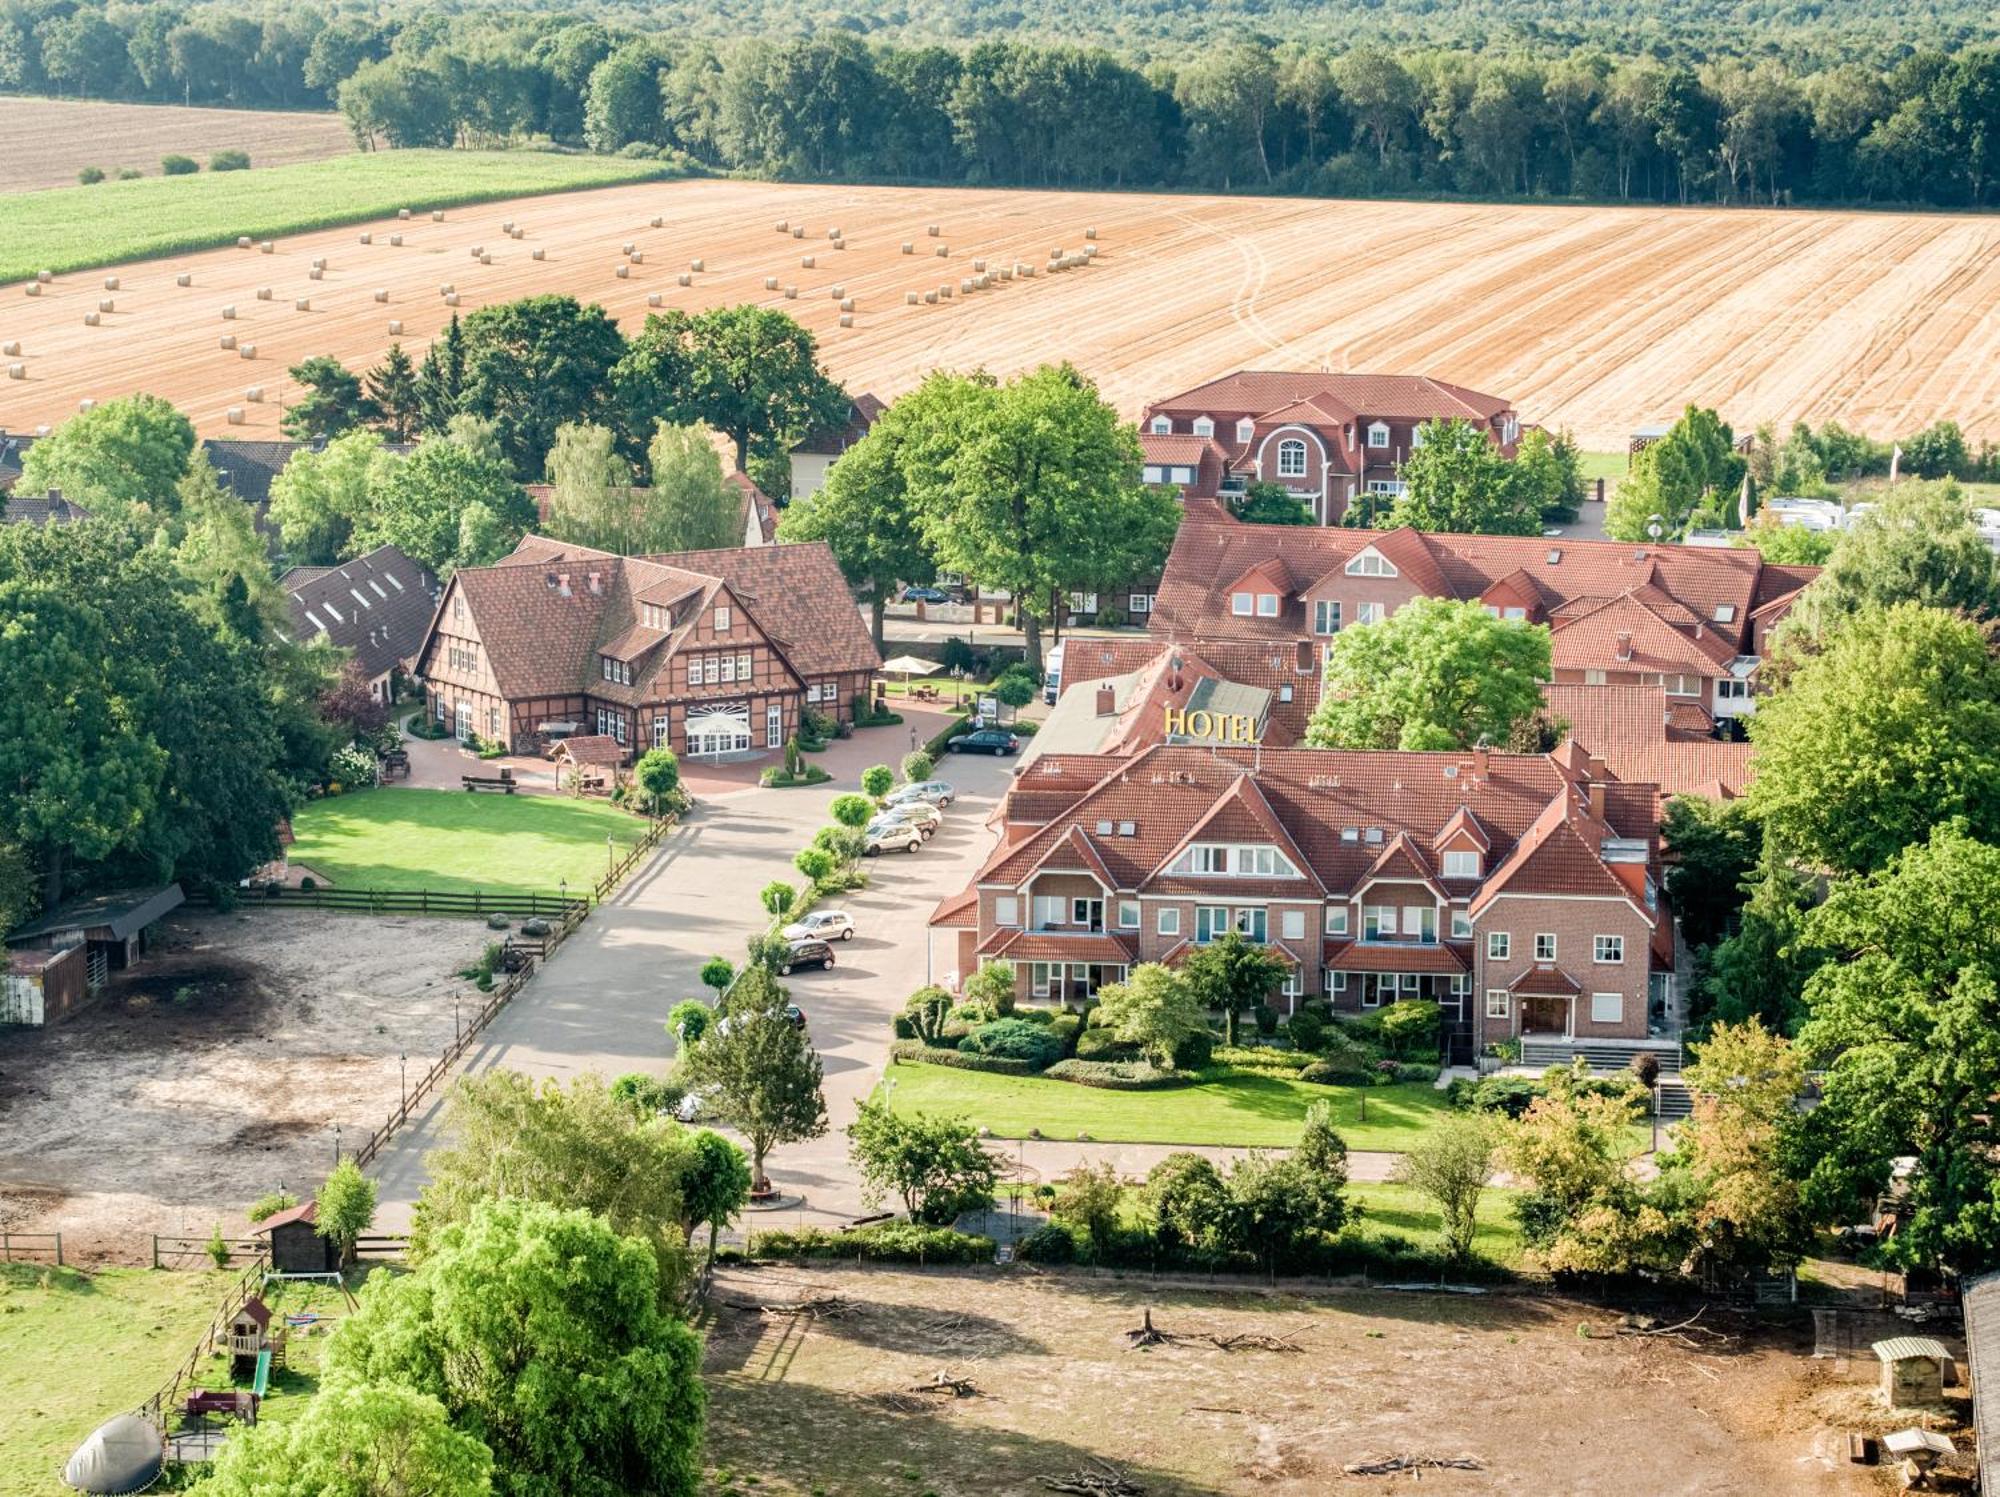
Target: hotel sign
[1213,727]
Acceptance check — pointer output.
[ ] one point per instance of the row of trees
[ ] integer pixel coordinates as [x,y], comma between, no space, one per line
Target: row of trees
[1029,486]
[1632,119]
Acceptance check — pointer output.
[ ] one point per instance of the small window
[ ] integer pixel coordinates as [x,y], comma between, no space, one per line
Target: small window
[1245,429]
[1498,944]
[1242,604]
[1377,921]
[1496,1003]
[1461,864]
[1371,613]
[1139,603]
[722,618]
[1370,563]
[1293,925]
[1336,919]
[1285,692]
[1169,921]
[1326,616]
[1038,978]
[1378,436]
[1608,948]
[1103,828]
[1461,925]
[1607,1008]
[1593,678]
[1267,605]
[1725,613]
[1350,834]
[1291,458]
[1162,425]
[1373,834]
[1128,914]
[1154,473]
[1545,946]
[1412,982]
[1339,983]
[1007,909]
[1204,426]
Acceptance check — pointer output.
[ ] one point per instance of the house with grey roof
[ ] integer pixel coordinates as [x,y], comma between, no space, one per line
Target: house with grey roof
[377,607]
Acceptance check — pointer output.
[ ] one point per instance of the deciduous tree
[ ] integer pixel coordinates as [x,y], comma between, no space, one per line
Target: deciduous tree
[123,457]
[346,1208]
[1451,1164]
[537,364]
[759,1071]
[1232,974]
[934,1164]
[1155,1009]
[865,514]
[689,506]
[1459,481]
[355,1440]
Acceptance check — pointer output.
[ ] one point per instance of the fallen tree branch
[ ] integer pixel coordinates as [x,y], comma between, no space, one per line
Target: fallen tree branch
[956,1387]
[1147,1334]
[1391,1465]
[817,1307]
[1106,1480]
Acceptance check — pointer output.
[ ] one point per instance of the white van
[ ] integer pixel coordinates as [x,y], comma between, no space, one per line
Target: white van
[1052,681]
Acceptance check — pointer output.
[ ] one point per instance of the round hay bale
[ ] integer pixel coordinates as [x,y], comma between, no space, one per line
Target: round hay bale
[943,252]
[92,319]
[267,248]
[909,248]
[315,275]
[1089,252]
[965,283]
[226,342]
[977,266]
[235,416]
[654,299]
[395,241]
[263,293]
[846,320]
[770,283]
[34,288]
[1006,273]
[684,279]
[302,304]
[452,300]
[243,241]
[911,299]
[638,257]
[623,272]
[437,215]
[255,394]
[506,225]
[806,262]
[403,214]
[485,259]
[246,350]
[111,283]
[395,328]
[837,292]
[791,293]
[518,234]
[319,262]
[105,304]
[85,407]
[798,231]
[184,279]
[697,265]
[382,294]
[658,221]
[628,246]
[944,291]
[478,250]
[445,288]
[1056,253]
[366,237]
[17,371]
[784,227]
[930,298]
[229,314]
[11,348]
[538,254]
[1090,233]
[833,233]
[933,230]
[847,304]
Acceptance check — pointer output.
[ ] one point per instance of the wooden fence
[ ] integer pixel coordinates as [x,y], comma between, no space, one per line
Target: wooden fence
[159,1408]
[408,901]
[196,1252]
[31,1247]
[655,830]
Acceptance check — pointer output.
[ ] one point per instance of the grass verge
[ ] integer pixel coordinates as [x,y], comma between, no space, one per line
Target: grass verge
[448,841]
[1253,1109]
[76,228]
[77,1347]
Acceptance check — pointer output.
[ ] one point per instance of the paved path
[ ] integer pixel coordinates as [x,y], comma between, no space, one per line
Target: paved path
[600,1005]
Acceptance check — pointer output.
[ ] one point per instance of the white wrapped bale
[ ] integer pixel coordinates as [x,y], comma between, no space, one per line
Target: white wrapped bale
[184,280]
[395,328]
[227,342]
[846,320]
[235,415]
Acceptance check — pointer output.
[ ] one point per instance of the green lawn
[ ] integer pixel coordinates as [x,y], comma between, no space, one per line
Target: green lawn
[451,841]
[1246,1108]
[76,1348]
[1608,465]
[73,228]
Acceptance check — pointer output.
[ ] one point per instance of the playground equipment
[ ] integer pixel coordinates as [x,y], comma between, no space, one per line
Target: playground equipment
[123,1454]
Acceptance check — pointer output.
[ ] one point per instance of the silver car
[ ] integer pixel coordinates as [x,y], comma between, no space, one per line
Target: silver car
[821,925]
[919,813]
[932,792]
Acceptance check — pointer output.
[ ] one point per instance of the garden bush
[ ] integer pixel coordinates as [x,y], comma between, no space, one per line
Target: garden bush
[1052,1242]
[1335,1073]
[1103,1044]
[891,1242]
[1066,1027]
[1503,1094]
[1267,1019]
[1195,1052]
[1014,1039]
[1260,1058]
[1307,1030]
[229,161]
[90,176]
[1001,1065]
[179,166]
[1116,1075]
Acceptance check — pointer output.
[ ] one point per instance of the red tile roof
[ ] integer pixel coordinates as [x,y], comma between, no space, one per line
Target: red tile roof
[1412,397]
[1545,980]
[1366,956]
[1060,946]
[1645,736]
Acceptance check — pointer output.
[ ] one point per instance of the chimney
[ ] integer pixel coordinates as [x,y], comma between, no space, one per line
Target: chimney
[1597,800]
[1174,672]
[1107,701]
[597,582]
[562,583]
[1482,758]
[1305,657]
[1624,645]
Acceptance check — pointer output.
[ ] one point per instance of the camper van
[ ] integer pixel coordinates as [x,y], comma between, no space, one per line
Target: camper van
[1052,681]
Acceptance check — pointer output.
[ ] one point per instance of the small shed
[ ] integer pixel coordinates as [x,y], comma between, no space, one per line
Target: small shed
[594,759]
[111,927]
[296,1246]
[250,1330]
[1982,1365]
[41,987]
[1915,1371]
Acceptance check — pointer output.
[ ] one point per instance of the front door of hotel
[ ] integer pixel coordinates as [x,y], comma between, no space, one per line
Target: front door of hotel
[464,722]
[1545,1016]
[718,730]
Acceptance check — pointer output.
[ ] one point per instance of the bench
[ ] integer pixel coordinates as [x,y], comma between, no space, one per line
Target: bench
[502,782]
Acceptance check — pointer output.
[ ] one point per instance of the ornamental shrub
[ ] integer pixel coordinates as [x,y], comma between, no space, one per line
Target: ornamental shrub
[1052,1242]
[918,766]
[229,161]
[1336,1073]
[1015,1039]
[960,1060]
[891,1242]
[1267,1019]
[1307,1030]
[178,166]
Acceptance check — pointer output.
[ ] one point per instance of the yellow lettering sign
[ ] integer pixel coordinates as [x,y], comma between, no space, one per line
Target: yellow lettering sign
[1221,727]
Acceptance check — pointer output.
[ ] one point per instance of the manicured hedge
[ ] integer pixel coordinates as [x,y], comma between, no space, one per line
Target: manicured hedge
[1116,1075]
[1015,1039]
[892,1242]
[964,1060]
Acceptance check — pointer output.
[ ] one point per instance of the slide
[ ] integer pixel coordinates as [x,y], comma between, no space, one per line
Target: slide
[262,1383]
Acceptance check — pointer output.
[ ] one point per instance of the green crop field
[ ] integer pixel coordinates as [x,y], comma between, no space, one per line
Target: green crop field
[75,228]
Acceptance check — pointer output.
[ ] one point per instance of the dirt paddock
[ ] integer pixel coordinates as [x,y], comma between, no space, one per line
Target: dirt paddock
[824,1403]
[217,1070]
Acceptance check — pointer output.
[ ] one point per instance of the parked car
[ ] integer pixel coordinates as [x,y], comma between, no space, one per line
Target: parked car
[891,826]
[925,595]
[824,925]
[936,792]
[894,836]
[810,952]
[986,741]
[917,812]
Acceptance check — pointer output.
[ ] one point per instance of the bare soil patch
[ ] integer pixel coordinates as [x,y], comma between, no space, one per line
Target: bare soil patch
[218,1070]
[1595,319]
[46,142]
[840,1392]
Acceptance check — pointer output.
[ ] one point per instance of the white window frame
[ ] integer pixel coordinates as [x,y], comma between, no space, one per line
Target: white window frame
[1378,436]
[1377,921]
[661,728]
[1162,425]
[1292,458]
[722,618]
[1368,562]
[1608,951]
[1038,977]
[1614,1002]
[1267,605]
[1292,925]
[1242,605]
[1007,910]
[1370,613]
[1050,911]
[1128,914]
[1168,921]
[1337,982]
[1206,926]
[1461,862]
[1326,616]
[1545,945]
[1204,426]
[1246,429]
[1498,944]
[1139,603]
[1499,1003]
[1461,925]
[774,725]
[1336,919]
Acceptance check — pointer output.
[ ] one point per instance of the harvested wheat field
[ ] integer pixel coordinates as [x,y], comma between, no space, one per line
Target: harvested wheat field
[825,1381]
[1593,319]
[218,1068]
[46,142]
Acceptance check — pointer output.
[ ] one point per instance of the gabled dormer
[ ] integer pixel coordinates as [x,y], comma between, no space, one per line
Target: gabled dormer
[1462,847]
[1240,836]
[1262,591]
[1369,562]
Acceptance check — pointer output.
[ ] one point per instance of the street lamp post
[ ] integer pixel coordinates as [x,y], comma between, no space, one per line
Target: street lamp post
[403,1067]
[336,1146]
[610,854]
[456,1035]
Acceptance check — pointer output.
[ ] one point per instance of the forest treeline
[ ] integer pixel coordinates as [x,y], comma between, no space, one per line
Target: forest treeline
[1664,123]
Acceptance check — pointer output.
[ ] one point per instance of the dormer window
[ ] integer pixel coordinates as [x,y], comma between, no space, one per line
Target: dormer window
[1242,604]
[1291,458]
[1162,425]
[1245,429]
[1204,426]
[1370,563]
[1235,860]
[619,672]
[1378,435]
[721,618]
[1267,605]
[1461,863]
[1510,429]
